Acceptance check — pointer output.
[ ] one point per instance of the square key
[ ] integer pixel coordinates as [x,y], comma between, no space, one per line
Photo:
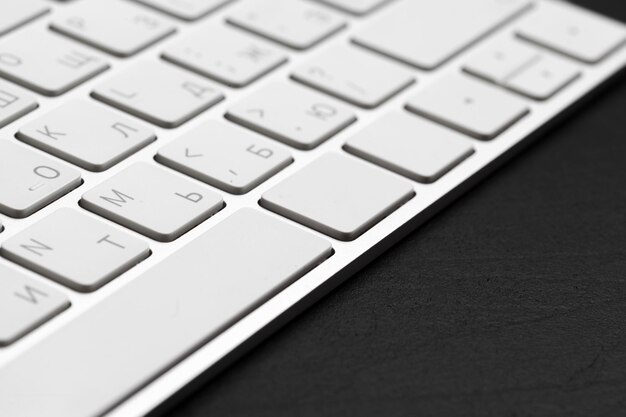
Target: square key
[338,195]
[153,201]
[226,156]
[292,114]
[87,134]
[159,93]
[75,249]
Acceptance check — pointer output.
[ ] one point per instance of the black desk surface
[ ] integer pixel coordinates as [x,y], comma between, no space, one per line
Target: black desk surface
[510,303]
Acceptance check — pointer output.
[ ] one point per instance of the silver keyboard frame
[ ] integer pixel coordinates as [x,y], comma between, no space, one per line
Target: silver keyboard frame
[348,258]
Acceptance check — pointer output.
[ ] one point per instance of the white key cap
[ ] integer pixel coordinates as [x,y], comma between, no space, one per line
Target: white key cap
[30,180]
[226,55]
[426,34]
[117,27]
[225,156]
[469,105]
[152,201]
[76,250]
[523,69]
[25,304]
[292,114]
[16,13]
[159,318]
[159,93]
[14,103]
[46,62]
[572,31]
[338,195]
[356,7]
[297,24]
[411,146]
[185,9]
[354,75]
[87,134]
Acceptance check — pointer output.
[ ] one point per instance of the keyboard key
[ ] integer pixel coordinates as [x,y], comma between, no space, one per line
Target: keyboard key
[356,7]
[226,55]
[14,14]
[411,146]
[152,201]
[426,34]
[159,93]
[30,181]
[225,156]
[117,27]
[160,317]
[185,9]
[292,114]
[297,24]
[87,134]
[14,103]
[25,304]
[355,76]
[469,105]
[523,69]
[577,33]
[47,63]
[76,250]
[339,196]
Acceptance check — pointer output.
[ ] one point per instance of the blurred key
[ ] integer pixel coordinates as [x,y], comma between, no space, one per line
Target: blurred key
[225,156]
[16,13]
[572,31]
[14,103]
[87,134]
[226,55]
[153,201]
[299,24]
[469,105]
[75,249]
[30,180]
[25,304]
[354,75]
[185,9]
[47,62]
[159,93]
[426,34]
[292,114]
[117,27]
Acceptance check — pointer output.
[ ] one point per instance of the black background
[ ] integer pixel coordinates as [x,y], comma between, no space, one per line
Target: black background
[510,303]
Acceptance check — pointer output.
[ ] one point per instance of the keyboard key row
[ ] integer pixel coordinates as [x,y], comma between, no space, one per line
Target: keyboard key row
[114,26]
[75,250]
[246,259]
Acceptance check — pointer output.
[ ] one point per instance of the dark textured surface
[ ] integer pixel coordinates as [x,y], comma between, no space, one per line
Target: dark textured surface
[510,303]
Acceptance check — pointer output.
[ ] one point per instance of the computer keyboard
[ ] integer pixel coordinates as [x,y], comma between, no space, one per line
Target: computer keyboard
[180,177]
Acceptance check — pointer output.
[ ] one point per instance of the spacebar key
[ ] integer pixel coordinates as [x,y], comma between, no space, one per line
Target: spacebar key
[127,340]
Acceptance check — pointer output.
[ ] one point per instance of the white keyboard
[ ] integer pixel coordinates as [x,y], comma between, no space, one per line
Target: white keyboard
[178,178]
